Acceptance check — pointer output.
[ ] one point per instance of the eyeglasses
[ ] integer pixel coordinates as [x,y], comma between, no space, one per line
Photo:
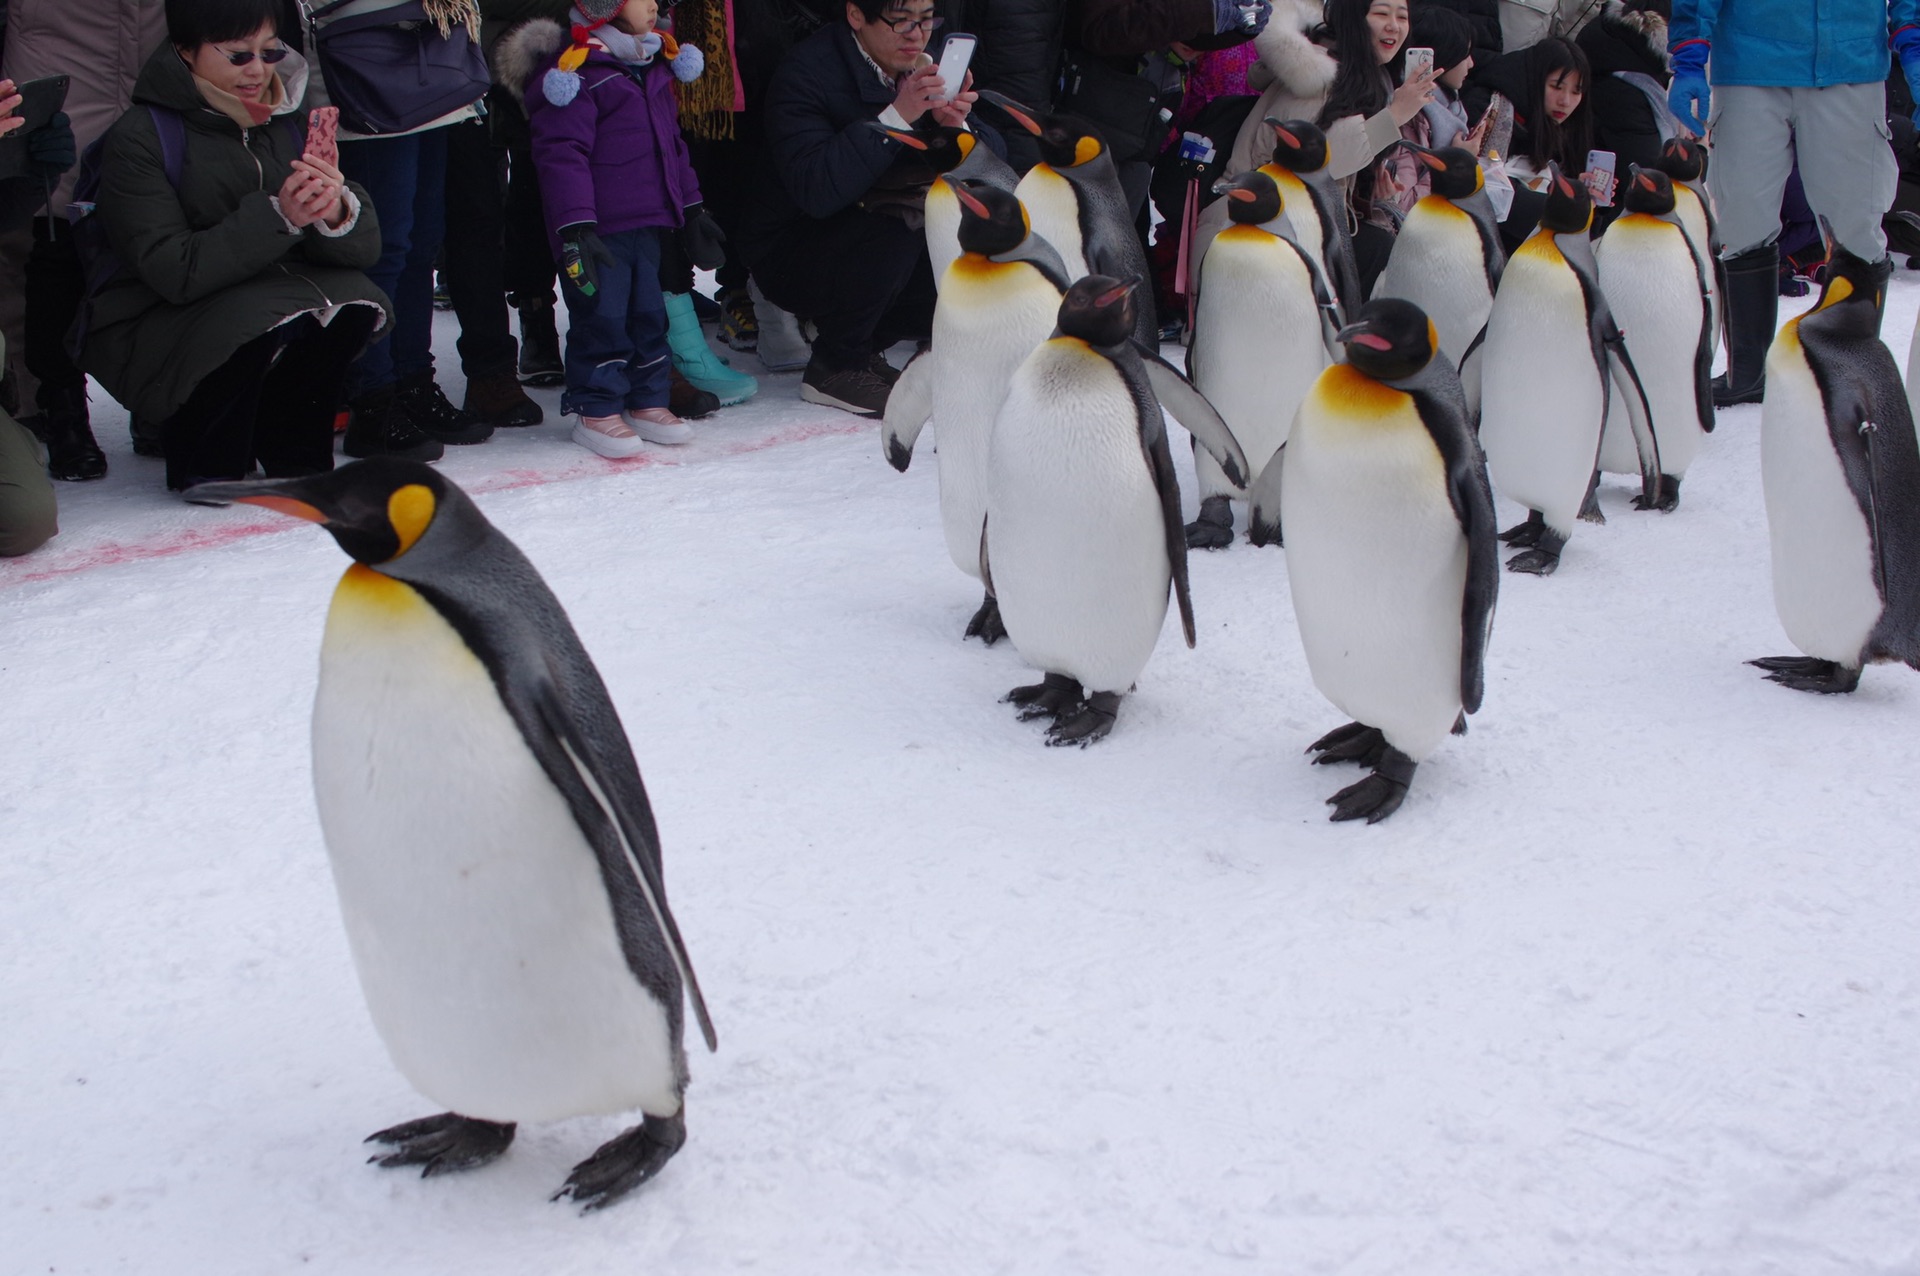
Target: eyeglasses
[244,56]
[908,25]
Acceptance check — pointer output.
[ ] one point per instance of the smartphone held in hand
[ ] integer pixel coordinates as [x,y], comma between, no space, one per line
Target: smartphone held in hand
[953,63]
[323,135]
[1600,177]
[1419,62]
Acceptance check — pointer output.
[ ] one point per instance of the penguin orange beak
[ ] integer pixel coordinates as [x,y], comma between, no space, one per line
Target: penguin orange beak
[1113,295]
[906,139]
[1280,132]
[1360,335]
[1562,185]
[1242,194]
[1644,182]
[1021,115]
[256,493]
[968,200]
[1427,157]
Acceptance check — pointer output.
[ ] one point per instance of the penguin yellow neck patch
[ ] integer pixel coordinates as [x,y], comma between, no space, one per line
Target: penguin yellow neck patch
[366,591]
[1838,290]
[1540,246]
[409,509]
[1345,391]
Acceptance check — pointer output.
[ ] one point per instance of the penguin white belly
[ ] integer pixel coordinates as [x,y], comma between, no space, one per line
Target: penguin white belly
[991,316]
[1823,584]
[1077,543]
[1540,392]
[1053,212]
[1376,560]
[1647,275]
[1440,266]
[1297,200]
[1256,345]
[943,229]
[478,920]
[1693,219]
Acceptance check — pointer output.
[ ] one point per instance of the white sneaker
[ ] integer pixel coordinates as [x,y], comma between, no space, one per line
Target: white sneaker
[658,425]
[609,436]
[783,344]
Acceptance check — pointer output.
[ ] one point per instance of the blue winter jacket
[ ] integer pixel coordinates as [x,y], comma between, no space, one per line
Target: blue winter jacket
[1796,43]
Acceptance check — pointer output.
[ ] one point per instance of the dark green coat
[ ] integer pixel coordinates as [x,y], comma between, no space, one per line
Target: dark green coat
[211,266]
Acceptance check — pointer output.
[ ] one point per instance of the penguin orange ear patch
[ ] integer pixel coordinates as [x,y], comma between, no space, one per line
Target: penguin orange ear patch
[1086,150]
[410,509]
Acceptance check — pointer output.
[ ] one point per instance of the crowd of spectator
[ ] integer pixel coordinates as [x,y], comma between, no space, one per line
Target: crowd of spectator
[181,231]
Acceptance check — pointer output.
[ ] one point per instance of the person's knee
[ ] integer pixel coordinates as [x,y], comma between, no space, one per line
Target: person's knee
[28,518]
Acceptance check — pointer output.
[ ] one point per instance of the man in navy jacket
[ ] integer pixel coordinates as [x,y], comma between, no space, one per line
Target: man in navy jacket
[1791,79]
[837,232]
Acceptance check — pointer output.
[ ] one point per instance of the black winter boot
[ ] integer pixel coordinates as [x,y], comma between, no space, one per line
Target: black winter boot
[1752,307]
[423,400]
[381,427]
[72,454]
[540,362]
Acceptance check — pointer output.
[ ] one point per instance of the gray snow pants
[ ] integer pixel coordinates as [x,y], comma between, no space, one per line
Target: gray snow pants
[1840,137]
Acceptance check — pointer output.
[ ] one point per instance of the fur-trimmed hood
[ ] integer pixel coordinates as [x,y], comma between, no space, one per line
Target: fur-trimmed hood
[1641,25]
[1288,57]
[523,51]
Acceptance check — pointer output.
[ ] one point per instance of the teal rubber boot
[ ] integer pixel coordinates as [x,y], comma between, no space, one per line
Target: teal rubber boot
[696,359]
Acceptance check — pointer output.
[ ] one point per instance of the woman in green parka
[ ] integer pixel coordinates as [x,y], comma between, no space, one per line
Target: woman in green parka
[241,299]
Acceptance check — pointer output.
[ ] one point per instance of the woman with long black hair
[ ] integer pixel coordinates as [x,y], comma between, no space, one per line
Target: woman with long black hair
[1552,124]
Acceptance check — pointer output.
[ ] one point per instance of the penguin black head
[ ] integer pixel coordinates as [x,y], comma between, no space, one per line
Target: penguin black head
[377,509]
[1853,294]
[1253,198]
[1391,340]
[1569,207]
[1298,145]
[1064,141]
[1648,190]
[1683,159]
[943,148]
[992,221]
[1456,173]
[1099,310]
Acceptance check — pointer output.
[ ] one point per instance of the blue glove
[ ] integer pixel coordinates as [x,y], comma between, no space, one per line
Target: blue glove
[1688,96]
[1241,17]
[1906,43]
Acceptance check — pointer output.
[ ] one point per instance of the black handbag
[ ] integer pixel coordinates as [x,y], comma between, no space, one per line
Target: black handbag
[1125,108]
[390,70]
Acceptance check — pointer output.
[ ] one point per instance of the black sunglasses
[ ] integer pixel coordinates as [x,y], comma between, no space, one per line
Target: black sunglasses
[245,56]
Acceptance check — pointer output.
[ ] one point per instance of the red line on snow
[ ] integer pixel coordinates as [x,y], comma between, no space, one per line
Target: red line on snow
[37,567]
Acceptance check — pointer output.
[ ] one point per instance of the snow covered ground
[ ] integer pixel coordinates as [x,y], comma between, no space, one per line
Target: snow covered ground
[1630,984]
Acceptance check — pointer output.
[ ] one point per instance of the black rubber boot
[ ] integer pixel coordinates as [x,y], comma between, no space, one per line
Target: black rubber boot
[540,362]
[72,454]
[1752,305]
[381,427]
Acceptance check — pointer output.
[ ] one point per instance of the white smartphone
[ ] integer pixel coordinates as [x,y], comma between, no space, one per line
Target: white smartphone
[1599,162]
[953,63]
[1419,62]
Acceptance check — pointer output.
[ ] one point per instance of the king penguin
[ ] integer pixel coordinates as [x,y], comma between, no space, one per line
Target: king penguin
[1083,529]
[997,304]
[1841,473]
[1551,356]
[1685,161]
[1257,341]
[962,156]
[1391,551]
[1659,297]
[1447,257]
[1074,198]
[1300,159]
[492,846]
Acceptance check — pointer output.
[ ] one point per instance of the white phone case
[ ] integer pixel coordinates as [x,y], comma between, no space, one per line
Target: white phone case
[953,62]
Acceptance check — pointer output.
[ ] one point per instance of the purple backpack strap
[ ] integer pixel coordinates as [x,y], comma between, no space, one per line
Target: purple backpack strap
[173,142]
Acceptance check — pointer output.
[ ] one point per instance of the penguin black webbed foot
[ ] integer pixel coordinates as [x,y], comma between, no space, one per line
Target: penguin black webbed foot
[1669,497]
[1048,698]
[1526,535]
[1535,562]
[1378,795]
[1213,529]
[1091,721]
[986,624]
[1804,673]
[624,1163]
[444,1144]
[1355,742]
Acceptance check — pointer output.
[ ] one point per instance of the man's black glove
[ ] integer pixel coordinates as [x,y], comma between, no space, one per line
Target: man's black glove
[702,238]
[581,247]
[51,150]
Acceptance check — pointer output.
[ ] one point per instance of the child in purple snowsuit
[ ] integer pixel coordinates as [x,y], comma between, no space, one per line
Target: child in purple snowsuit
[616,181]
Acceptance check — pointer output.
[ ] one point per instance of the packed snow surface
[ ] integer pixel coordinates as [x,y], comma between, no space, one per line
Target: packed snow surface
[1629,984]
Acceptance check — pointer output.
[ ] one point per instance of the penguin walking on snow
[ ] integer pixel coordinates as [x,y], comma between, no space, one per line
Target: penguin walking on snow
[960,155]
[1653,282]
[1257,341]
[1083,509]
[1074,198]
[1447,257]
[1841,472]
[1552,355]
[492,846]
[1685,161]
[997,304]
[1391,551]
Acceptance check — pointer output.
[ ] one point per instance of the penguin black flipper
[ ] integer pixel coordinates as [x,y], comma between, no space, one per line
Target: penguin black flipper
[1263,502]
[1871,427]
[1136,366]
[1190,408]
[1617,363]
[1703,355]
[909,407]
[1493,253]
[1336,242]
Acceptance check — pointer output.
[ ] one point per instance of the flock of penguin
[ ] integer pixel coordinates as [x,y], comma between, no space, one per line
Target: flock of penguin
[493,849]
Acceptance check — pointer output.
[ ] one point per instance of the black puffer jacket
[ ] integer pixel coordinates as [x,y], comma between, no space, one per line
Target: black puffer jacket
[1484,17]
[1018,55]
[1624,119]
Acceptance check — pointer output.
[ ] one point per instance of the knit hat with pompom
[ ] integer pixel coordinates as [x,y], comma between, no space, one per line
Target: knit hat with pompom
[562,84]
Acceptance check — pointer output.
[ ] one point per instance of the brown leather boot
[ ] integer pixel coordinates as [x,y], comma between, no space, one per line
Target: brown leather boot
[499,400]
[688,400]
